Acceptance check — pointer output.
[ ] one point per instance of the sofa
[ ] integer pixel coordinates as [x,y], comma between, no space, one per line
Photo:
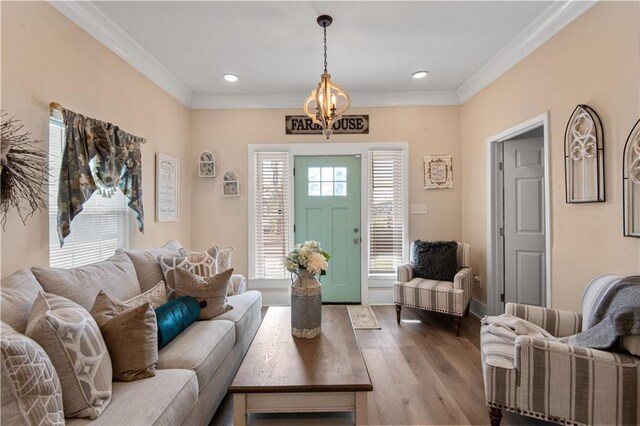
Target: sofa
[193,371]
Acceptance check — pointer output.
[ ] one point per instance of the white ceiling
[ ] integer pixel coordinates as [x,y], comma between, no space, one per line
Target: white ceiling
[275,47]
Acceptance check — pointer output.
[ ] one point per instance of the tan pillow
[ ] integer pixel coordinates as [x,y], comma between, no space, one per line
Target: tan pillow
[210,292]
[632,344]
[31,391]
[203,264]
[131,335]
[155,296]
[72,339]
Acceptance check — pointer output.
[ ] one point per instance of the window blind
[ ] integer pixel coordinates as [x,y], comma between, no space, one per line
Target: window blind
[271,214]
[103,225]
[386,204]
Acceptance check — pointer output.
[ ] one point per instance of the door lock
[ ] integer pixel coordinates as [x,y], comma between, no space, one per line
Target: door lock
[355,229]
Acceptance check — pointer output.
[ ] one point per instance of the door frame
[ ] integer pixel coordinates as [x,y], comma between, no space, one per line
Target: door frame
[495,253]
[332,149]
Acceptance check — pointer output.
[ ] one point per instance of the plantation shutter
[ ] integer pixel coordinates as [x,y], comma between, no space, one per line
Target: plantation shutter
[271,214]
[385,211]
[101,227]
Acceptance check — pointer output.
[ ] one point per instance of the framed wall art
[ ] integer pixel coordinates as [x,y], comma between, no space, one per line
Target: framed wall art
[167,184]
[438,171]
[206,165]
[230,185]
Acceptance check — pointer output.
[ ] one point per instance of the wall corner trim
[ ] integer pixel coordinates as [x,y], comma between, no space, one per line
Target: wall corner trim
[90,18]
[554,18]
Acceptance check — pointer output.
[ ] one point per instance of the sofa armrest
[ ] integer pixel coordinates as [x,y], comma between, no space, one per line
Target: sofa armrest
[404,273]
[555,321]
[586,386]
[239,283]
[462,280]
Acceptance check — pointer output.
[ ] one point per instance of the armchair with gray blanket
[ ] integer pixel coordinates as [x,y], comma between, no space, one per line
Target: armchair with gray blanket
[567,367]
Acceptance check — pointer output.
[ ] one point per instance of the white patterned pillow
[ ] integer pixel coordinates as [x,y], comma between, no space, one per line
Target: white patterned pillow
[223,263]
[155,296]
[203,264]
[72,339]
[31,391]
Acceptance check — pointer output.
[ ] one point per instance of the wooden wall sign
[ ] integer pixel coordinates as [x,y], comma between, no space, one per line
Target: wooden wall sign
[347,124]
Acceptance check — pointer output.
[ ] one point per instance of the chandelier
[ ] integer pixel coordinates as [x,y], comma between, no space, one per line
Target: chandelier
[330,100]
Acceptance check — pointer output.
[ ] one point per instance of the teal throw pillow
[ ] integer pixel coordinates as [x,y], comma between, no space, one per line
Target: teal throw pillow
[174,317]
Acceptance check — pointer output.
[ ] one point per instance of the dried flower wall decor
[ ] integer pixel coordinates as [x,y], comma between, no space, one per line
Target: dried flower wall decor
[24,171]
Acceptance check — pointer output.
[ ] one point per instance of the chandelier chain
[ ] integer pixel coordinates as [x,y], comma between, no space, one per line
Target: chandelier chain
[325,48]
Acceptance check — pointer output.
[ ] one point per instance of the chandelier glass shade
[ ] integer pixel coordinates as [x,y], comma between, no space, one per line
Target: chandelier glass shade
[328,101]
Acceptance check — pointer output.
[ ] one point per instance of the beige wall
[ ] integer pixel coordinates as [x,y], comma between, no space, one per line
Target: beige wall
[596,61]
[227,133]
[46,57]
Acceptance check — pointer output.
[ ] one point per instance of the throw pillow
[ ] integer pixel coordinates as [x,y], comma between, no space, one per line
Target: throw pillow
[211,293]
[31,389]
[222,264]
[174,317]
[155,296]
[632,344]
[72,339]
[203,264]
[437,260]
[130,332]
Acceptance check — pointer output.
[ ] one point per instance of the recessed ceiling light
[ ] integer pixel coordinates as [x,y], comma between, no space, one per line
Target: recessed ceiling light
[420,74]
[232,78]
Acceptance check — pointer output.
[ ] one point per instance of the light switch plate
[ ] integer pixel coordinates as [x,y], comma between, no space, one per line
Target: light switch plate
[419,209]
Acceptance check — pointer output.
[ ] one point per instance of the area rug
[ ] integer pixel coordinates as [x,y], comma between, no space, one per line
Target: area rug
[363,318]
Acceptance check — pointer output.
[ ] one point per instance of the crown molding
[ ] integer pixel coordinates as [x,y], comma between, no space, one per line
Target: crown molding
[358,100]
[91,19]
[555,17]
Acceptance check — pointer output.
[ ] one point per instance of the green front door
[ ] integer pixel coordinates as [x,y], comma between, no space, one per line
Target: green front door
[327,210]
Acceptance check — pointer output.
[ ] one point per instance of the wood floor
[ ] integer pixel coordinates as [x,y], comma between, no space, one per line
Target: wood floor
[422,374]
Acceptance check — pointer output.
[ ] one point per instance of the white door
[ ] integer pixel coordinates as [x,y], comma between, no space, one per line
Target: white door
[524,221]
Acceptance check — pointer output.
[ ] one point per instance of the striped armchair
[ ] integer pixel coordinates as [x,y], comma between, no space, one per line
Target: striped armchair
[555,381]
[441,296]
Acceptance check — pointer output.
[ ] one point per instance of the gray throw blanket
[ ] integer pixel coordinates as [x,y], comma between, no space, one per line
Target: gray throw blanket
[618,314]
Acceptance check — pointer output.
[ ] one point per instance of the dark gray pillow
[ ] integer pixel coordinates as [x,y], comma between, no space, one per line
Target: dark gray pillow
[435,260]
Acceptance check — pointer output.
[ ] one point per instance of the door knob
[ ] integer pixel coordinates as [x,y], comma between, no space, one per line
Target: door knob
[356,240]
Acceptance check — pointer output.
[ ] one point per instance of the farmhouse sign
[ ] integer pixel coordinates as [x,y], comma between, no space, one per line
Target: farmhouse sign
[347,124]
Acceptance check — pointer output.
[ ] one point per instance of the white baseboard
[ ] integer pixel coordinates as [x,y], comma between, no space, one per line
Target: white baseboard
[478,308]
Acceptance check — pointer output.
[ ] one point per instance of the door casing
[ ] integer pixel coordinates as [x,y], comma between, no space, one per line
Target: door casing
[495,248]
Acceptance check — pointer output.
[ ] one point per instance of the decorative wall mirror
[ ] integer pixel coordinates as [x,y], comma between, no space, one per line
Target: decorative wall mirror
[207,165]
[584,157]
[631,183]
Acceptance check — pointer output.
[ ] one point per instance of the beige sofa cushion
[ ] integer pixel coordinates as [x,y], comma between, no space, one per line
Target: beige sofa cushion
[116,276]
[201,348]
[211,293]
[17,293]
[246,307]
[131,335]
[165,399]
[71,338]
[31,391]
[146,263]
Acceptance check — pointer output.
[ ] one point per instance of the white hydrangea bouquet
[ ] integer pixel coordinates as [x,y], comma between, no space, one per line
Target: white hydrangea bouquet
[308,256]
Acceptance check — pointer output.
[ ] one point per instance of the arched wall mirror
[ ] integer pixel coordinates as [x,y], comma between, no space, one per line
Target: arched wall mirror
[631,183]
[584,157]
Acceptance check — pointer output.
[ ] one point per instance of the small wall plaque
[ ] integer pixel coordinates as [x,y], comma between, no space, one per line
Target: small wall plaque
[438,171]
[206,165]
[347,124]
[230,185]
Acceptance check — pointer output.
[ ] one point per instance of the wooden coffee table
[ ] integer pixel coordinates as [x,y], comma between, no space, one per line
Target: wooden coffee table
[282,374]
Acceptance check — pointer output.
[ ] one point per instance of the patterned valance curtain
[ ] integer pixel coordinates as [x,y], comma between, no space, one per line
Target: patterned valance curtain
[97,156]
